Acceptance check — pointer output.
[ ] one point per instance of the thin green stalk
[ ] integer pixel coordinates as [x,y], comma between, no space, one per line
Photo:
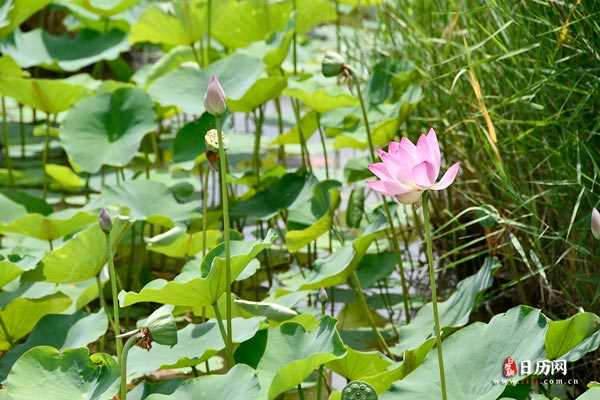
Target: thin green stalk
[226,227]
[323,145]
[362,301]
[338,34]
[295,39]
[320,382]
[123,365]
[115,299]
[208,33]
[219,318]
[258,125]
[45,155]
[388,214]
[204,177]
[303,148]
[281,156]
[300,391]
[22,131]
[103,306]
[436,317]
[7,161]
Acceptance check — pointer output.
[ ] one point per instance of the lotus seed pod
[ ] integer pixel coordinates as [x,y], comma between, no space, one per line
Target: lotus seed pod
[358,390]
[212,139]
[214,101]
[333,64]
[105,221]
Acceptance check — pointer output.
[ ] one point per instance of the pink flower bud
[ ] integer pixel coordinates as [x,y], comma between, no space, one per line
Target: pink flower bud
[596,223]
[105,221]
[214,101]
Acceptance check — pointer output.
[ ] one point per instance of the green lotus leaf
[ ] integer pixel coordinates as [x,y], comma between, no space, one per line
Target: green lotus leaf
[50,227]
[176,242]
[293,351]
[238,24]
[39,48]
[47,95]
[145,200]
[278,196]
[61,331]
[200,288]
[358,364]
[195,344]
[64,177]
[263,90]
[272,311]
[105,8]
[297,239]
[9,67]
[335,269]
[318,94]
[189,142]
[518,333]
[240,383]
[21,315]
[9,209]
[309,125]
[454,312]
[81,257]
[181,28]
[107,129]
[238,73]
[592,393]
[15,12]
[10,270]
[565,335]
[70,374]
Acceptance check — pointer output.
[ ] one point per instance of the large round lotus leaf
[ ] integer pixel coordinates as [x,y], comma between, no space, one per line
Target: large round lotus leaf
[204,287]
[62,331]
[14,12]
[80,258]
[146,200]
[473,358]
[49,96]
[70,53]
[320,94]
[44,372]
[176,242]
[186,87]
[454,312]
[240,383]
[195,344]
[181,28]
[21,314]
[293,352]
[9,67]
[49,227]
[107,129]
[64,177]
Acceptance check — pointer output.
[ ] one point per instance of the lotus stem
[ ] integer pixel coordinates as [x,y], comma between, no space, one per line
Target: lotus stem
[22,131]
[123,365]
[226,227]
[7,162]
[362,301]
[206,55]
[258,126]
[204,178]
[436,317]
[320,383]
[323,145]
[45,155]
[388,215]
[115,299]
[219,318]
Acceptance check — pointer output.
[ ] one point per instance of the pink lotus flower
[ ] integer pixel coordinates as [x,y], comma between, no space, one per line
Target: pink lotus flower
[407,170]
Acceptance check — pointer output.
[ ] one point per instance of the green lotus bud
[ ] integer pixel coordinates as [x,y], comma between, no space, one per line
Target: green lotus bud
[161,327]
[333,64]
[323,298]
[214,101]
[105,221]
